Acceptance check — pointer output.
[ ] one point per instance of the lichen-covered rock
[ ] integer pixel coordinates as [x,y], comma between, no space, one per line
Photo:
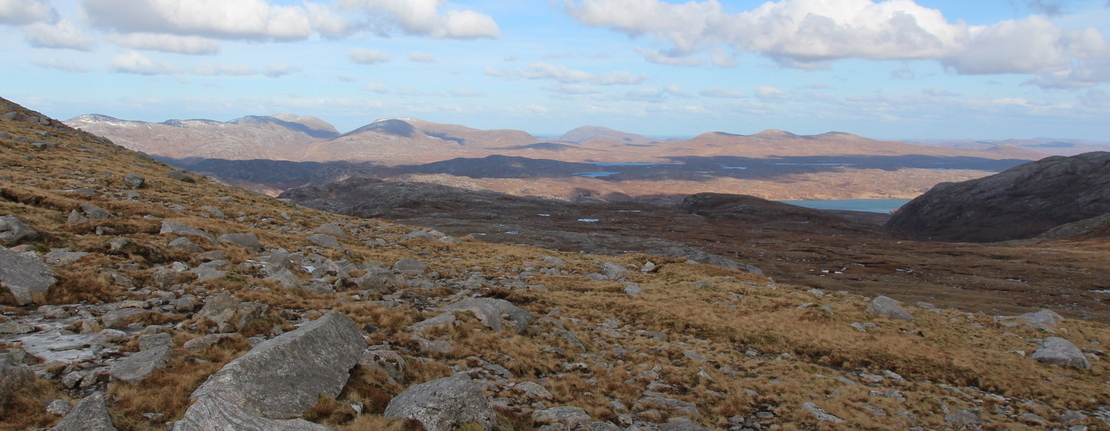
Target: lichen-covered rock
[212,412]
[26,276]
[1056,350]
[135,368]
[442,405]
[91,414]
[887,307]
[282,377]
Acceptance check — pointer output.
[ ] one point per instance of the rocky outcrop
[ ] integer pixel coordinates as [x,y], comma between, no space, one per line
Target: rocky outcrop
[26,276]
[91,414]
[283,376]
[212,412]
[442,405]
[1022,202]
[1056,350]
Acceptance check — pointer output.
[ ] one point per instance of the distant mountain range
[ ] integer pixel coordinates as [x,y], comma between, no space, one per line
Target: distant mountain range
[396,141]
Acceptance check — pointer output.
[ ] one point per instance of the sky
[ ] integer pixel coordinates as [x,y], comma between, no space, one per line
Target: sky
[895,69]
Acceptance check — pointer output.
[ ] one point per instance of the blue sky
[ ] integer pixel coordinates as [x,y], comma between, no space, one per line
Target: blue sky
[925,69]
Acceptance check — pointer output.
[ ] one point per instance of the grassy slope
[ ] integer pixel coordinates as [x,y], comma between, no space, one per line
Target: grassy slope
[764,353]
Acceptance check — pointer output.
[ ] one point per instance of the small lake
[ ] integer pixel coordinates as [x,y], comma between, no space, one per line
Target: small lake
[865,205]
[595,174]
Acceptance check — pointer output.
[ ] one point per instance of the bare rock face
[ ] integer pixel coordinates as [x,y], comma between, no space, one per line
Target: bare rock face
[27,277]
[212,412]
[282,377]
[1020,203]
[444,404]
[91,414]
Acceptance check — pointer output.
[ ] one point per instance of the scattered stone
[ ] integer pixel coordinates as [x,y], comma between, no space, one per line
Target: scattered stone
[1056,350]
[326,241]
[122,317]
[180,229]
[181,176]
[407,265]
[58,407]
[533,390]
[963,418]
[14,377]
[442,405]
[444,319]
[136,181]
[820,414]
[12,230]
[568,415]
[26,276]
[490,311]
[91,414]
[614,270]
[185,244]
[659,402]
[632,289]
[283,376]
[151,341]
[248,240]
[135,368]
[887,307]
[331,229]
[212,412]
[1043,319]
[63,256]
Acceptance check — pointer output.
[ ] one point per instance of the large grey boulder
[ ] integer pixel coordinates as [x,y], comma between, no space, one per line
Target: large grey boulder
[613,270]
[26,276]
[12,378]
[490,312]
[212,412]
[135,180]
[1043,319]
[568,415]
[1056,350]
[91,414]
[326,241]
[442,405]
[248,240]
[180,229]
[135,368]
[13,230]
[887,307]
[282,377]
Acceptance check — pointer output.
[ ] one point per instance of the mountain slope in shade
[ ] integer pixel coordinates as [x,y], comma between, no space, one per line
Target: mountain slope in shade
[597,133]
[251,137]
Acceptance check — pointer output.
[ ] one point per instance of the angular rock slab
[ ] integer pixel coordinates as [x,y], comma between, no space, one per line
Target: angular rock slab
[13,230]
[248,240]
[489,311]
[27,277]
[887,307]
[91,414]
[283,376]
[1056,350]
[212,412]
[137,367]
[180,229]
[442,405]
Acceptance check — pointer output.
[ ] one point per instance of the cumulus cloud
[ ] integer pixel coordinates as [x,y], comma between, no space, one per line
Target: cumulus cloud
[368,56]
[674,90]
[422,57]
[425,17]
[241,19]
[136,63]
[280,69]
[719,92]
[60,34]
[938,92]
[191,45]
[568,76]
[20,12]
[669,58]
[769,93]
[808,34]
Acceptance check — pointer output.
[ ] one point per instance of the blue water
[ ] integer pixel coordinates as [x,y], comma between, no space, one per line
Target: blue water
[866,205]
[595,174]
[634,164]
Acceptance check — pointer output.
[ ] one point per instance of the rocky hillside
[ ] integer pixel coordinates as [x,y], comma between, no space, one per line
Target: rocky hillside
[142,298]
[1021,202]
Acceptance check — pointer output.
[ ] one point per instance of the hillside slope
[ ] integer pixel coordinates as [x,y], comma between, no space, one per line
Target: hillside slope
[137,286]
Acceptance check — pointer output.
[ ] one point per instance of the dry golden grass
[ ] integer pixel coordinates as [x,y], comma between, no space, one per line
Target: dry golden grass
[26,408]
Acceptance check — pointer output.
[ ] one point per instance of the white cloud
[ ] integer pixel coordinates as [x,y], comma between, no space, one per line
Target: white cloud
[56,64]
[192,45]
[769,93]
[60,34]
[422,57]
[720,58]
[808,34]
[240,19]
[719,92]
[669,58]
[376,87]
[938,92]
[133,62]
[280,69]
[574,89]
[368,56]
[20,12]
[424,17]
[674,90]
[568,76]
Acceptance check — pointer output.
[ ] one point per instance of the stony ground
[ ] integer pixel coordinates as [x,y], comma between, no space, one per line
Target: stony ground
[141,298]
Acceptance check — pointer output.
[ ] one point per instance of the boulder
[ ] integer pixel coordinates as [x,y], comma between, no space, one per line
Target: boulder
[444,404]
[12,230]
[122,317]
[1056,350]
[248,240]
[1043,319]
[212,412]
[12,378]
[181,176]
[283,376]
[820,414]
[94,212]
[135,368]
[490,311]
[26,276]
[186,244]
[91,414]
[887,307]
[229,314]
[326,241]
[180,229]
[445,319]
[614,270]
[331,229]
[407,264]
[135,181]
[567,415]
